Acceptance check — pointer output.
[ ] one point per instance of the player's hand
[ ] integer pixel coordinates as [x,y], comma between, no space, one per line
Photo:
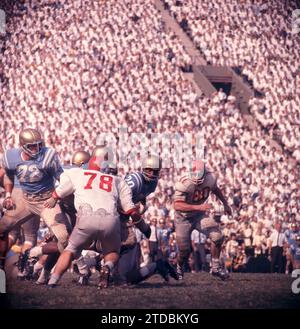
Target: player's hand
[205,207]
[227,210]
[8,203]
[50,203]
[142,208]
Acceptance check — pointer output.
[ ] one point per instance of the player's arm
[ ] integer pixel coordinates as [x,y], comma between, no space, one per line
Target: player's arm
[8,183]
[143,207]
[218,193]
[56,168]
[187,207]
[8,172]
[128,207]
[64,189]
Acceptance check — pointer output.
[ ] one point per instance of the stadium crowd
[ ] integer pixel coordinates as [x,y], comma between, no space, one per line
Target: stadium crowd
[257,39]
[75,69]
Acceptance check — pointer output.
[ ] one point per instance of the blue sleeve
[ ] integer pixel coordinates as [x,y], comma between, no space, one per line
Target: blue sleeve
[55,167]
[134,181]
[153,186]
[9,160]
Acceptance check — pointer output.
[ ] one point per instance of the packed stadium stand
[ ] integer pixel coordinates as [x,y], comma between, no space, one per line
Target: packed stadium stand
[78,68]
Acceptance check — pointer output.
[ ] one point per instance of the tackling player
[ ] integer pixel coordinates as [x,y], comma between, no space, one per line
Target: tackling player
[36,168]
[191,192]
[96,199]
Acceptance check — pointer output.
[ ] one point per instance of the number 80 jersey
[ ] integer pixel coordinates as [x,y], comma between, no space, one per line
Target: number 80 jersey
[189,192]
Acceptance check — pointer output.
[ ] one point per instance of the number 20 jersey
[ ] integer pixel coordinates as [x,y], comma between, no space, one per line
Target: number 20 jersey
[189,192]
[35,175]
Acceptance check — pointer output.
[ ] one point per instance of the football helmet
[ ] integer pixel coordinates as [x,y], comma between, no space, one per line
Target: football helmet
[106,167]
[80,158]
[94,163]
[109,168]
[197,173]
[151,167]
[103,152]
[31,142]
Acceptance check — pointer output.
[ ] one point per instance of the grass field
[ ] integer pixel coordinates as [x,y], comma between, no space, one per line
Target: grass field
[196,291]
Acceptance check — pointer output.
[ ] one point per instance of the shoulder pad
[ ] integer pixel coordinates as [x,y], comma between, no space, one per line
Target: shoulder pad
[211,180]
[48,155]
[184,185]
[9,158]
[134,180]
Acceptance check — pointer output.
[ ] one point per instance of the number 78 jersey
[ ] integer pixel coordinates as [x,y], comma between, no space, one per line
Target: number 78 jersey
[100,191]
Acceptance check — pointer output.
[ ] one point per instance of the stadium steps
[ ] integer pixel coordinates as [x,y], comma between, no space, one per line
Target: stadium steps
[239,89]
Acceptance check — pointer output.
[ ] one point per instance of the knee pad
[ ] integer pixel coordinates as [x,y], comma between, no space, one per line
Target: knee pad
[216,237]
[61,235]
[184,245]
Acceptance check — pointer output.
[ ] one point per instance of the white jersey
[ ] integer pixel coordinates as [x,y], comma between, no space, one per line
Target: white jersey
[189,192]
[96,190]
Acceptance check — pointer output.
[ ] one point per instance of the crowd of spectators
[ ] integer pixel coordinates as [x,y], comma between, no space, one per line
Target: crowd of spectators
[76,69]
[260,40]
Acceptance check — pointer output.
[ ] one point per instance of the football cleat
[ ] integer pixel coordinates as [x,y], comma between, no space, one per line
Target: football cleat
[221,273]
[21,264]
[84,279]
[179,272]
[29,267]
[172,272]
[162,269]
[43,278]
[104,277]
[52,285]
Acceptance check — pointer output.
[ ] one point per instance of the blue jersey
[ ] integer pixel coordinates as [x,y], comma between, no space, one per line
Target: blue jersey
[35,175]
[295,249]
[139,186]
[291,236]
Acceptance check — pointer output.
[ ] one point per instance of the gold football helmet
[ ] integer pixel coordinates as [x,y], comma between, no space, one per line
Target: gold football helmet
[31,142]
[151,167]
[80,158]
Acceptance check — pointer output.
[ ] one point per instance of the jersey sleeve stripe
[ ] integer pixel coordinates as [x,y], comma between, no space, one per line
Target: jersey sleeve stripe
[183,179]
[5,161]
[48,157]
[138,180]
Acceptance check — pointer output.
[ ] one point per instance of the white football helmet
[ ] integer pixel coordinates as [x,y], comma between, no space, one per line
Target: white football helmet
[103,152]
[151,167]
[197,172]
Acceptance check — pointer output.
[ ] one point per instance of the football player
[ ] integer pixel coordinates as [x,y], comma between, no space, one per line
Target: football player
[36,168]
[96,199]
[46,263]
[191,192]
[128,269]
[142,184]
[29,228]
